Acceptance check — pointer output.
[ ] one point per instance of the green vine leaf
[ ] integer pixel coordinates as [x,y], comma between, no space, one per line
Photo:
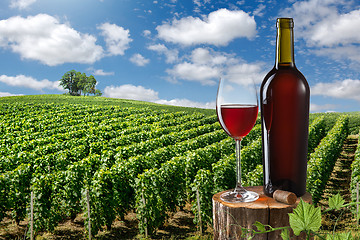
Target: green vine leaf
[336,202]
[305,218]
[285,234]
[260,226]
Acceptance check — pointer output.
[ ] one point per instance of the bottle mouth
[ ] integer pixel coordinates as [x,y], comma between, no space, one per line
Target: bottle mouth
[284,23]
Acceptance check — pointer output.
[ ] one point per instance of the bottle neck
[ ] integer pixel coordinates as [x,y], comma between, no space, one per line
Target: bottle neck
[285,43]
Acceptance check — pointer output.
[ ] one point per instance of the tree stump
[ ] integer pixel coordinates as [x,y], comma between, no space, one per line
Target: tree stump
[228,217]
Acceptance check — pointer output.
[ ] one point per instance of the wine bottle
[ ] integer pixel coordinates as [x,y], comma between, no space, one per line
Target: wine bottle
[284,102]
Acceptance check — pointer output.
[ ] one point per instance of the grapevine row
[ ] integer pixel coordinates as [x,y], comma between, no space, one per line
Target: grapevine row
[124,175]
[51,119]
[62,190]
[28,141]
[323,159]
[159,190]
[19,178]
[355,173]
[221,177]
[60,145]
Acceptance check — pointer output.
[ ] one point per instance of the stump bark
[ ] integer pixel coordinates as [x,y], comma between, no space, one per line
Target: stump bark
[228,217]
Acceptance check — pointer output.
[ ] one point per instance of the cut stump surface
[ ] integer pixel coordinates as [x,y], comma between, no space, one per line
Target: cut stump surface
[228,217]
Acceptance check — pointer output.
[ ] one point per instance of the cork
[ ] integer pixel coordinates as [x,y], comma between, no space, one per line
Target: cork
[285,197]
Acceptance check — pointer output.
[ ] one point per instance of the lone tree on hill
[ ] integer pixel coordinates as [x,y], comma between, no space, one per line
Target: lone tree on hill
[77,83]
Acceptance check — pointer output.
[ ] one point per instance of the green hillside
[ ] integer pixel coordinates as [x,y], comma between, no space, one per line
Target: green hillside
[91,100]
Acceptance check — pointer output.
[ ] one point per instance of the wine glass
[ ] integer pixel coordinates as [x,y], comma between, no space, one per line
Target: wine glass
[237,111]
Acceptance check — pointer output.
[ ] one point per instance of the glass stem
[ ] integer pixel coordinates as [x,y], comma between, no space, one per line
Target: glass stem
[239,186]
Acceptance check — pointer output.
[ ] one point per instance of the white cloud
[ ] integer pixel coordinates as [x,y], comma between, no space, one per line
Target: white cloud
[146,33]
[207,66]
[219,28]
[327,28]
[187,103]
[44,38]
[129,91]
[198,2]
[320,108]
[204,74]
[117,38]
[158,47]
[7,94]
[204,56]
[204,66]
[346,89]
[100,72]
[340,30]
[132,92]
[310,12]
[246,73]
[339,53]
[259,10]
[139,60]
[21,4]
[171,55]
[29,82]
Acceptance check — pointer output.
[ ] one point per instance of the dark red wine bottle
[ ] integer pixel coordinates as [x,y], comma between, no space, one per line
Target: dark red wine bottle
[284,102]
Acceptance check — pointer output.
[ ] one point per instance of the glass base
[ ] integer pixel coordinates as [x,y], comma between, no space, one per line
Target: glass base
[235,196]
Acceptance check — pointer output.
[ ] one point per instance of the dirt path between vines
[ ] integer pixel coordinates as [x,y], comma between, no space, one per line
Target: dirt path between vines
[179,226]
[339,182]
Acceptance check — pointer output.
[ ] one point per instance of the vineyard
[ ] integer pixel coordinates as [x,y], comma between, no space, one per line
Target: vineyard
[105,158]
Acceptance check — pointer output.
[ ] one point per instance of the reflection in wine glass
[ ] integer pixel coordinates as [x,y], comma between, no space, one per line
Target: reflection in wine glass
[237,110]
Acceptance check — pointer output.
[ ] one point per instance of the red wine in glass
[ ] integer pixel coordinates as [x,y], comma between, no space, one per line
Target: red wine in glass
[237,110]
[238,119]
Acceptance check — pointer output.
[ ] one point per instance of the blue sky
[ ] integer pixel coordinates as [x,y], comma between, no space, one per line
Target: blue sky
[174,51]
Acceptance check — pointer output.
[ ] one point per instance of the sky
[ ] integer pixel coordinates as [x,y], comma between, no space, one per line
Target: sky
[175,51]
